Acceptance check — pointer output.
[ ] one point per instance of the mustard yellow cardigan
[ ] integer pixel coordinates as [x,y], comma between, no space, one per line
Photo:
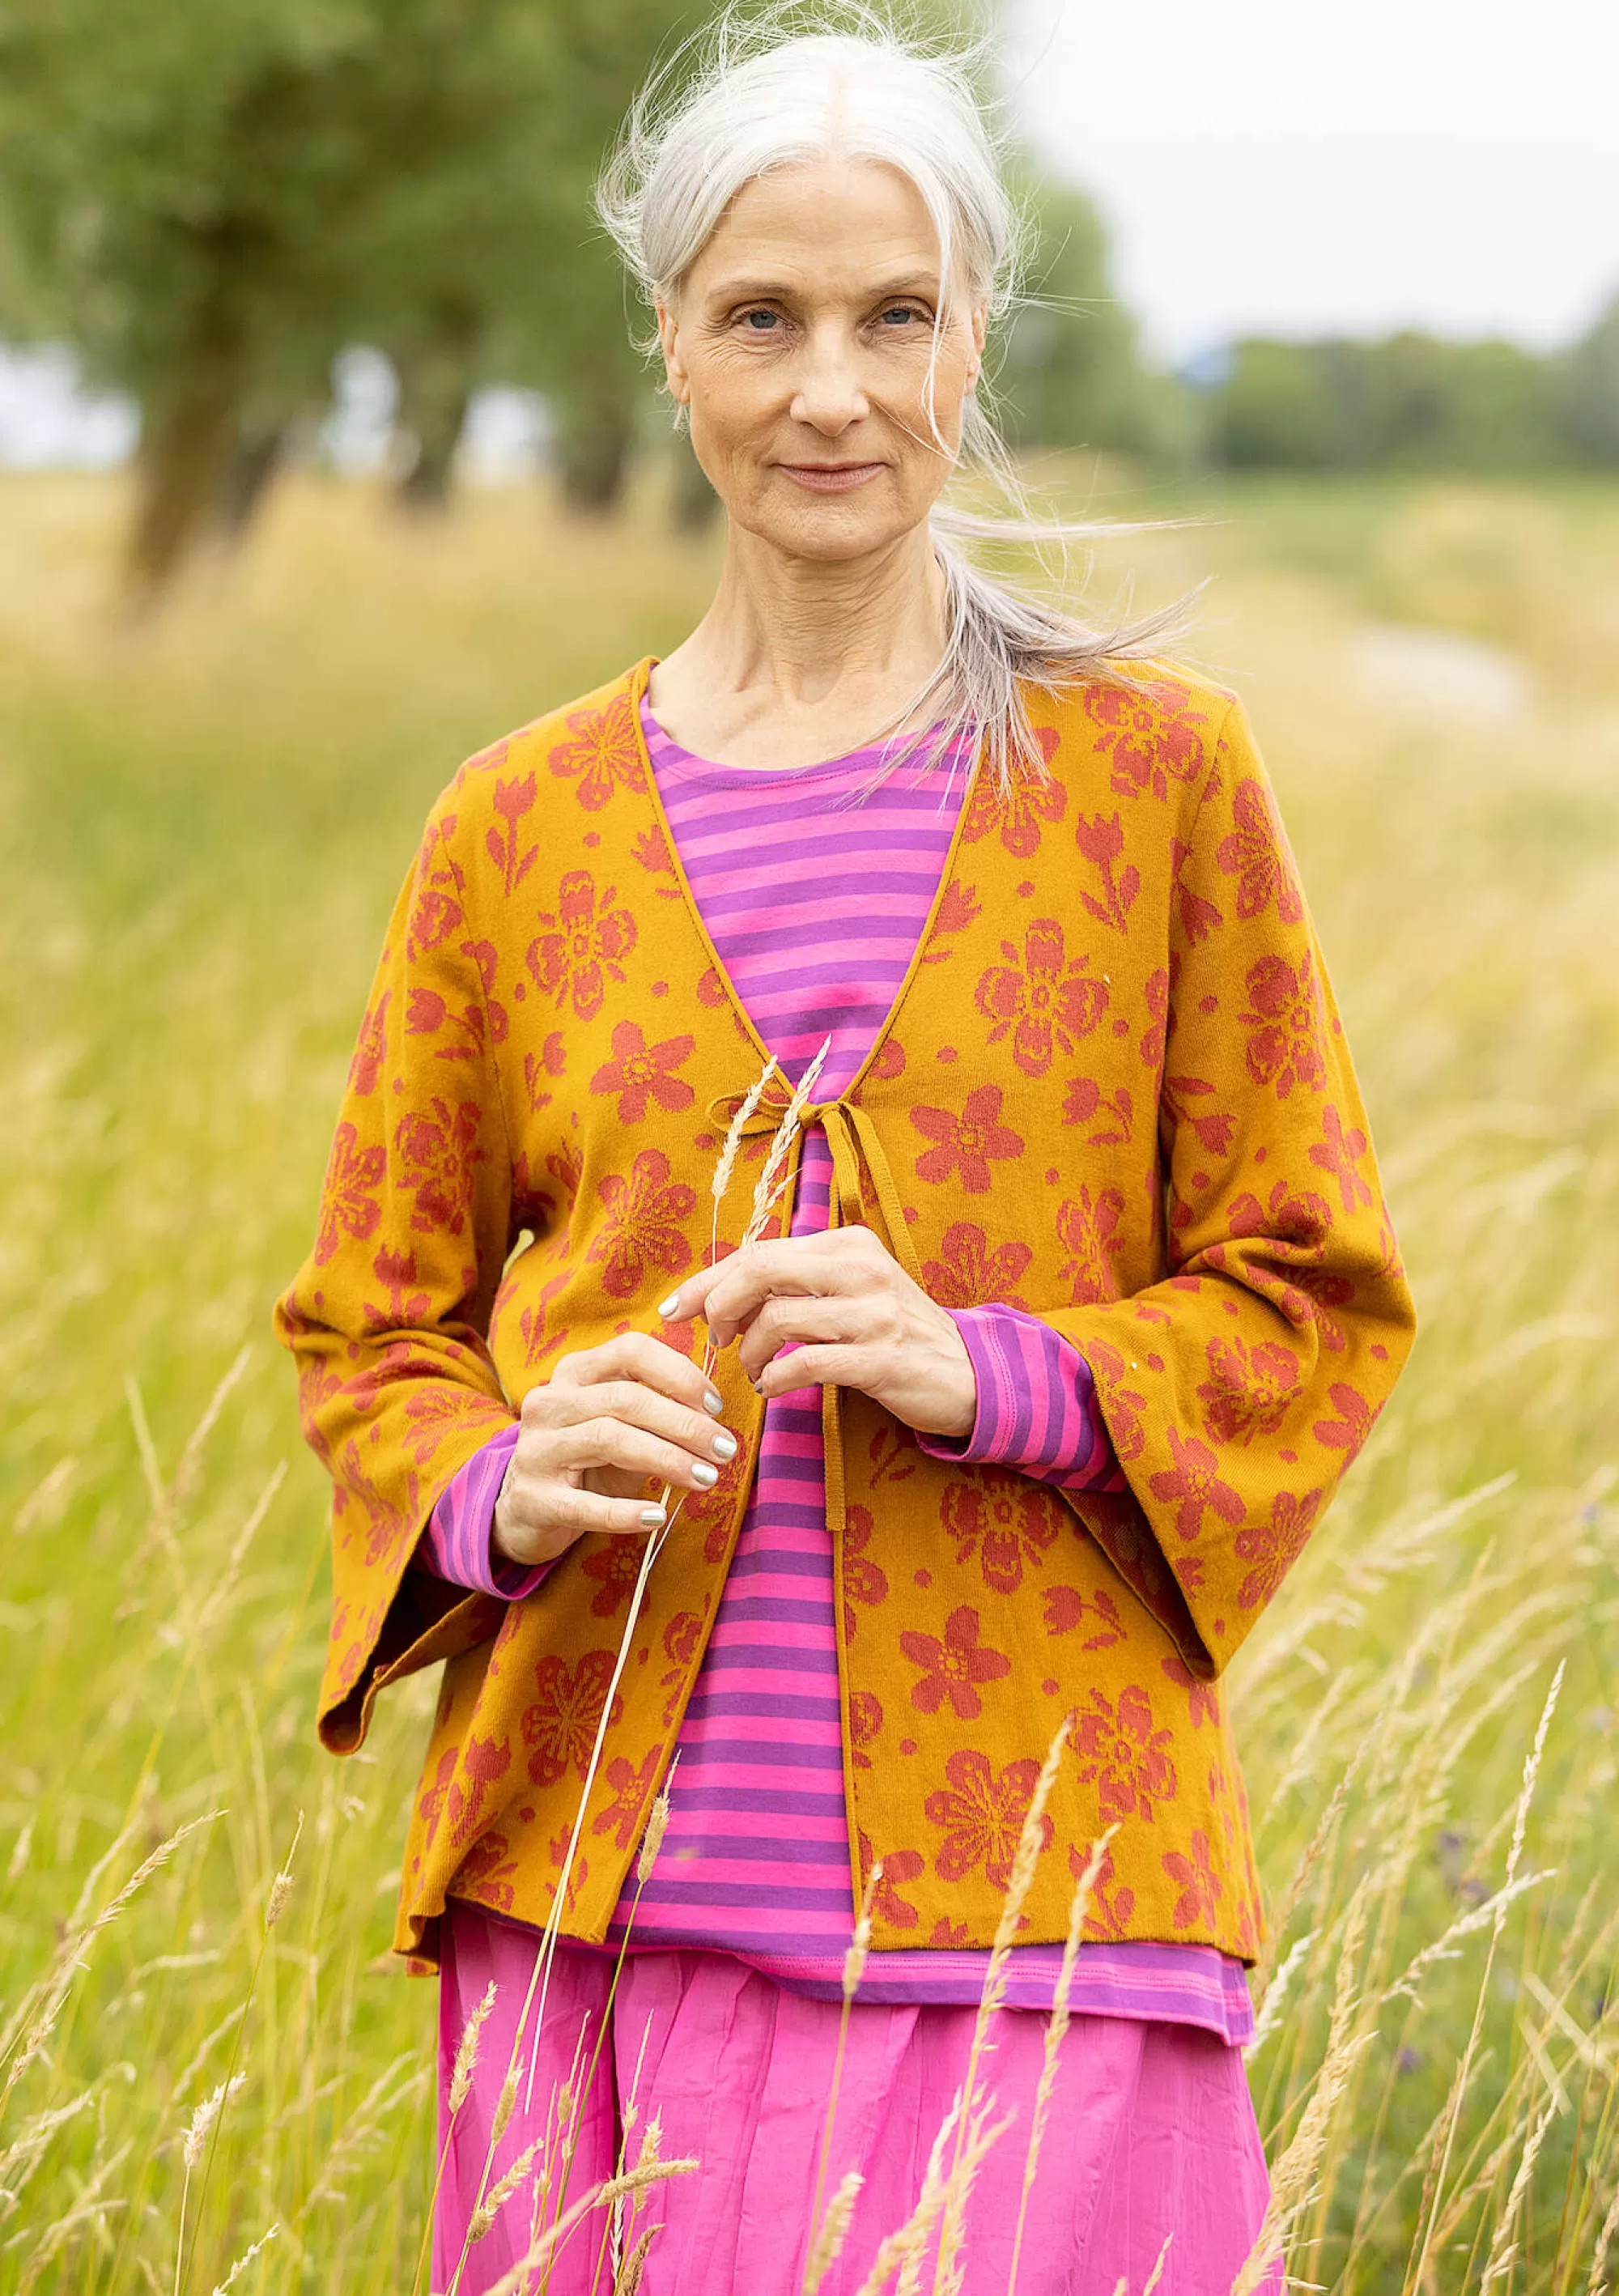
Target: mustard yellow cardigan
[1116,1045]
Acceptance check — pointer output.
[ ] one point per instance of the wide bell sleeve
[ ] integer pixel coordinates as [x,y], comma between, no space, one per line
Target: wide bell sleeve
[386,1319]
[1238,1389]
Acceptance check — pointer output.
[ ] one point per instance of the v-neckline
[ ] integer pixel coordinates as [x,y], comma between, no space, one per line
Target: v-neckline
[640,679]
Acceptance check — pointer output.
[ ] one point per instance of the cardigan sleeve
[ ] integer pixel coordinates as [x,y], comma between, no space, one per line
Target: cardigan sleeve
[386,1320]
[1238,1388]
[1037,1411]
[458,1543]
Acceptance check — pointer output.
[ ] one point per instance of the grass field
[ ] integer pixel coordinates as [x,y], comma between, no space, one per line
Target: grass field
[203,830]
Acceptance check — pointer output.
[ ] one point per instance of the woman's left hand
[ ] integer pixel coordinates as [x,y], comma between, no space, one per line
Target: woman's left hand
[854,1319]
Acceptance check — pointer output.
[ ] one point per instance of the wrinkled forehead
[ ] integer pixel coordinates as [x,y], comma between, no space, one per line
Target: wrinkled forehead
[830,228]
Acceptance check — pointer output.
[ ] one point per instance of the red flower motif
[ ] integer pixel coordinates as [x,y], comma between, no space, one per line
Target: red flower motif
[1088,1232]
[1214,1132]
[585,946]
[1152,735]
[1194,1480]
[1101,841]
[1199,1883]
[865,1726]
[631,1788]
[366,1065]
[1110,1907]
[438,1152]
[1198,917]
[1349,1431]
[1289,1044]
[605,753]
[434,918]
[639,1072]
[968,1143]
[512,800]
[431,1808]
[641,1233]
[983,1816]
[1303,1221]
[1046,996]
[484,1761]
[1008,1520]
[1255,853]
[1249,1390]
[1017,815]
[1084,1100]
[863,1581]
[900,1865]
[614,1568]
[430,1413]
[1066,1608]
[1273,1548]
[969,1274]
[1122,1405]
[484,1869]
[959,907]
[1339,1154]
[1123,1756]
[347,1207]
[1202,1699]
[953,1669]
[560,1727]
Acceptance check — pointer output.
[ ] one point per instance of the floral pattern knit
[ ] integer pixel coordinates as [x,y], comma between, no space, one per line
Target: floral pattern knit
[814,902]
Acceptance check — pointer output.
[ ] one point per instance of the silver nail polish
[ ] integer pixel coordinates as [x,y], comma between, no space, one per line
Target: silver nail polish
[713,1401]
[668,1306]
[651,1518]
[707,1476]
[724,1446]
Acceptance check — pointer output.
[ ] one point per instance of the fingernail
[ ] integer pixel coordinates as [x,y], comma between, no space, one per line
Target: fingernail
[724,1446]
[668,1306]
[714,1400]
[651,1518]
[706,1475]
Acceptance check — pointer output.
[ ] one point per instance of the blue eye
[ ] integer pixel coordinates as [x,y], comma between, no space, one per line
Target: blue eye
[900,311]
[761,322]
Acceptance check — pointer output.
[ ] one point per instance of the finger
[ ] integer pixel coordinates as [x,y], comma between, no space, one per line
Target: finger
[636,1405]
[637,1354]
[603,1442]
[832,1364]
[729,1295]
[539,1522]
[783,1323]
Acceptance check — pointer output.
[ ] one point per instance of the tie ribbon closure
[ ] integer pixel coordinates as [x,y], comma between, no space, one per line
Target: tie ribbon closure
[853,1141]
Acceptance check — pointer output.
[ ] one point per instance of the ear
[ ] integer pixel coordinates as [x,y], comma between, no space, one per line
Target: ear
[674,374]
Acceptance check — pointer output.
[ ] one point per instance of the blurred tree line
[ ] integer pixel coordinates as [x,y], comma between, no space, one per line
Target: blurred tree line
[1415,402]
[209,200]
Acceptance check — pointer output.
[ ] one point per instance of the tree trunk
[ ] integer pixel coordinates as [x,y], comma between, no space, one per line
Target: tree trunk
[186,442]
[594,455]
[259,454]
[436,426]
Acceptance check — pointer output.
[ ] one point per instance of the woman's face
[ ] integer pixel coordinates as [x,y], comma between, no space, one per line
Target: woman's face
[800,342]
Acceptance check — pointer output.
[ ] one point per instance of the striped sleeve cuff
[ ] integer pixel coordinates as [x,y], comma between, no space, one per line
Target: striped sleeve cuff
[458,1544]
[1037,1408]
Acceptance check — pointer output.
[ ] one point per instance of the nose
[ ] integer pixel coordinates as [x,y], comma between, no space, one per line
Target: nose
[828,396]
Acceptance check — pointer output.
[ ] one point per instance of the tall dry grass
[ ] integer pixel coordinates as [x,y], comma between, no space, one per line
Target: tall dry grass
[203,833]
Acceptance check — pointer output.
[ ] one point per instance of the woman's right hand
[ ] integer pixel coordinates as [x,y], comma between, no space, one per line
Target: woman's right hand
[609,1422]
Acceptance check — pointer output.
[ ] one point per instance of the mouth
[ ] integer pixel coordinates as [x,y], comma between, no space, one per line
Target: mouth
[830,478]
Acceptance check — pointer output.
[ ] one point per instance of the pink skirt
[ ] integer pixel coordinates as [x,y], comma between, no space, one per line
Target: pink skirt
[1150,2136]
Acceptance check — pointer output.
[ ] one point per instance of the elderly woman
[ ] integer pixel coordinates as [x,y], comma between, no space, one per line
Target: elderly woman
[1080,1300]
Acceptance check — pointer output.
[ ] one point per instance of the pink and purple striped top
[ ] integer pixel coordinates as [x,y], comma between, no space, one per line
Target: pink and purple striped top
[755,1859]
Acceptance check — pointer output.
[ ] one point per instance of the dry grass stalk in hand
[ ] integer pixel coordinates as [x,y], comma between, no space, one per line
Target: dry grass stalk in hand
[1057,2026]
[772,1178]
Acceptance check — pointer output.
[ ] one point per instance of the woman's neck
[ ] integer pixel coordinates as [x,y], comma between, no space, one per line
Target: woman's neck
[797,660]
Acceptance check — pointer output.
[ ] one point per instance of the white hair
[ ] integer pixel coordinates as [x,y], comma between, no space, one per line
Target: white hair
[762,91]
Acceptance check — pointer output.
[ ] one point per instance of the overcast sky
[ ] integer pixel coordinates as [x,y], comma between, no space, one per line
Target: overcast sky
[1284,166]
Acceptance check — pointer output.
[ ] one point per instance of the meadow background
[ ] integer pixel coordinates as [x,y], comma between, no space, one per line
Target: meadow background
[204,825]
